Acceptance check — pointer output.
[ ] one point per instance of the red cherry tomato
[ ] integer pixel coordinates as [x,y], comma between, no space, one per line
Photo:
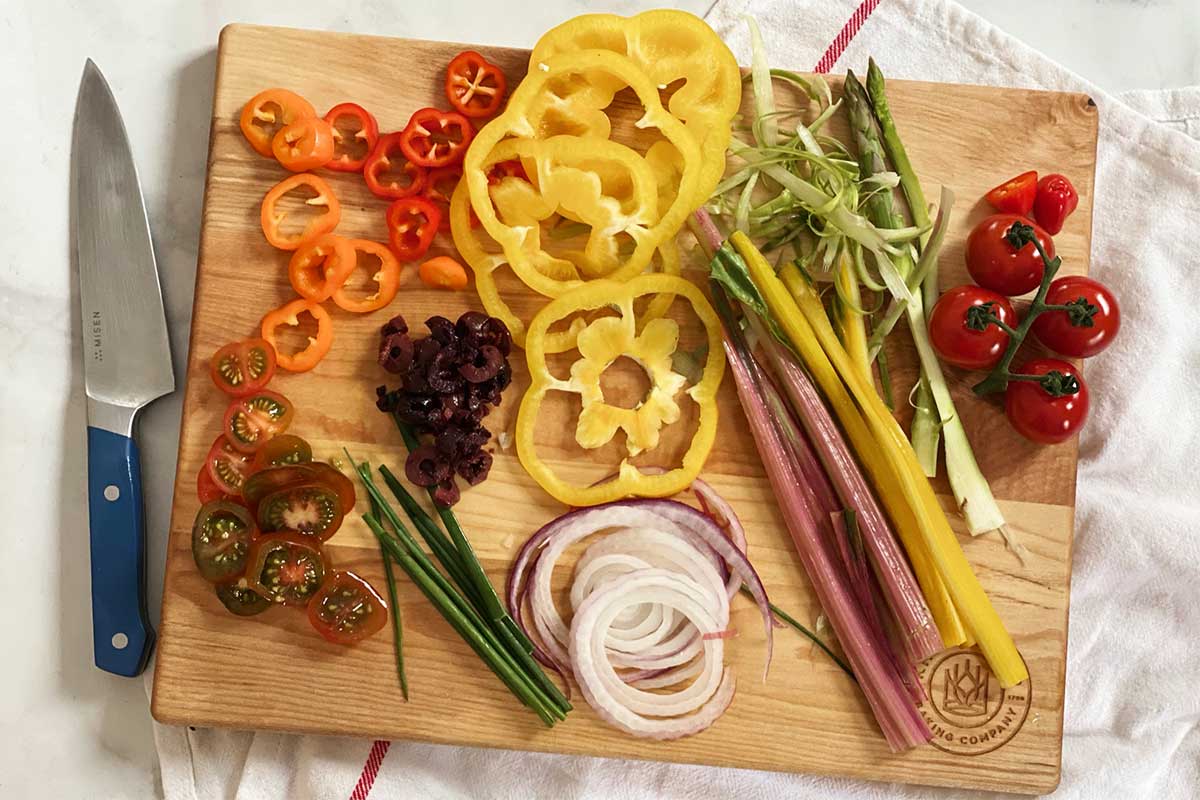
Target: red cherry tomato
[242,368]
[1015,196]
[1041,416]
[227,465]
[961,336]
[995,264]
[1056,199]
[206,488]
[251,421]
[1096,311]
[347,609]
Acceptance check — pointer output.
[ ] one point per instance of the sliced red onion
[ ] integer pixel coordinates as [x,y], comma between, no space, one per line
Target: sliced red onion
[636,711]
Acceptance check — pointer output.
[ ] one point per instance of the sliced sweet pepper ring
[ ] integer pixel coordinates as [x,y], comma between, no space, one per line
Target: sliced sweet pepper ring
[609,188]
[387,276]
[514,122]
[353,143]
[323,197]
[472,245]
[599,341]
[267,112]
[669,46]
[319,267]
[318,346]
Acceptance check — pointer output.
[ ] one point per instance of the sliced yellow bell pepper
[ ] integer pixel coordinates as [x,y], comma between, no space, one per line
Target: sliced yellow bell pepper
[602,342]
[521,242]
[478,250]
[669,46]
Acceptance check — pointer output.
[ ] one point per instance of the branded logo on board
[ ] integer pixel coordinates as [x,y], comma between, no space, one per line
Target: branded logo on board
[968,711]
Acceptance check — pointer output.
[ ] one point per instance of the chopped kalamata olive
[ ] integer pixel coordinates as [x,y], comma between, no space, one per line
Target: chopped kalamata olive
[394,325]
[474,468]
[447,492]
[395,353]
[442,330]
[426,466]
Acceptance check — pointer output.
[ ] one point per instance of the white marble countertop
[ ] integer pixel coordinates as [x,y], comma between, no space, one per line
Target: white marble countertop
[69,730]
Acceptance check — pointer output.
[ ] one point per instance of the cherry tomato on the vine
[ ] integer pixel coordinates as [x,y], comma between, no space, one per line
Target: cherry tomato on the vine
[1044,416]
[962,336]
[995,264]
[1094,310]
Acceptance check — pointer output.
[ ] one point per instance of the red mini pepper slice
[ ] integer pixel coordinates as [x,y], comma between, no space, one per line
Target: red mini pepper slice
[412,223]
[355,133]
[474,86]
[1015,196]
[389,172]
[439,186]
[435,138]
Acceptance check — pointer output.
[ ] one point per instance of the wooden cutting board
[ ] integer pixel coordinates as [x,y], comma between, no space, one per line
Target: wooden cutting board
[273,672]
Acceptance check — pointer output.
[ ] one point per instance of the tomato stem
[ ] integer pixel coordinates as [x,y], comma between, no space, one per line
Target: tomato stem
[997,380]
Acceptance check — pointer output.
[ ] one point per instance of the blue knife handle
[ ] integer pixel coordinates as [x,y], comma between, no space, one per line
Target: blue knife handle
[121,632]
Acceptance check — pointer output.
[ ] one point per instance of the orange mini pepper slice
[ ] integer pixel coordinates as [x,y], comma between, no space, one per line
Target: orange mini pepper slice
[387,276]
[318,346]
[443,272]
[321,266]
[267,112]
[323,197]
[303,145]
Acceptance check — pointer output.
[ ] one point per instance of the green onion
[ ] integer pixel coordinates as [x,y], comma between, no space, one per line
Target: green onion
[393,598]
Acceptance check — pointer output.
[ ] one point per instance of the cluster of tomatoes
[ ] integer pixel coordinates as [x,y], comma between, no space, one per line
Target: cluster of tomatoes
[976,327]
[267,507]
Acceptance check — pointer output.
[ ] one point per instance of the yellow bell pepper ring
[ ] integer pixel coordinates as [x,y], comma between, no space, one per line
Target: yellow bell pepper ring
[517,240]
[471,244]
[600,343]
[669,46]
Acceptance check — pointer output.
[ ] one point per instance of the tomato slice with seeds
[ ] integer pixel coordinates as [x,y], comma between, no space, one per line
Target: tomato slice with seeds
[347,609]
[251,421]
[334,479]
[227,466]
[287,568]
[273,479]
[282,450]
[242,368]
[221,538]
[241,599]
[206,488]
[311,509]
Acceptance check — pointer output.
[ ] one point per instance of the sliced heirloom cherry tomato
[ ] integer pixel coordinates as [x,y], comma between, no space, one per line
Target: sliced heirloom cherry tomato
[1015,196]
[964,337]
[435,138]
[221,538]
[305,144]
[1047,417]
[318,346]
[251,421]
[386,276]
[312,509]
[474,86]
[347,609]
[1055,201]
[241,599]
[274,479]
[995,264]
[206,488]
[439,188]
[1088,327]
[355,133]
[412,224]
[227,466]
[287,567]
[268,112]
[319,267]
[272,217]
[388,171]
[281,451]
[242,368]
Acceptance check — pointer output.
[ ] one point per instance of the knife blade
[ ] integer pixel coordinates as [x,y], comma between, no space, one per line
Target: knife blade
[126,364]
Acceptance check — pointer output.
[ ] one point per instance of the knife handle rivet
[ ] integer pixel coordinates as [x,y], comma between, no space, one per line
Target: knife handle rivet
[111,493]
[120,641]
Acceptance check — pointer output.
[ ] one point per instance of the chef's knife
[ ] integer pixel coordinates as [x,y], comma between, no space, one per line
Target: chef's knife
[126,364]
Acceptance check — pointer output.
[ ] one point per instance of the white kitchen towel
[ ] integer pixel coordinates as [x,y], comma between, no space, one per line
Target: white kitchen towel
[1132,724]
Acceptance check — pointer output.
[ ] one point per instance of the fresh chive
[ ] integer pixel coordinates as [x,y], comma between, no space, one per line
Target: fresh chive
[783,615]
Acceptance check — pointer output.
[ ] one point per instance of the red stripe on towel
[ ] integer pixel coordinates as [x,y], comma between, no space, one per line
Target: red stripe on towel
[370,769]
[845,36]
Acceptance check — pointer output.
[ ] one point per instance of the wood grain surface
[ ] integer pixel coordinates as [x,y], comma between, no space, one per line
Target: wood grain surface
[273,672]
